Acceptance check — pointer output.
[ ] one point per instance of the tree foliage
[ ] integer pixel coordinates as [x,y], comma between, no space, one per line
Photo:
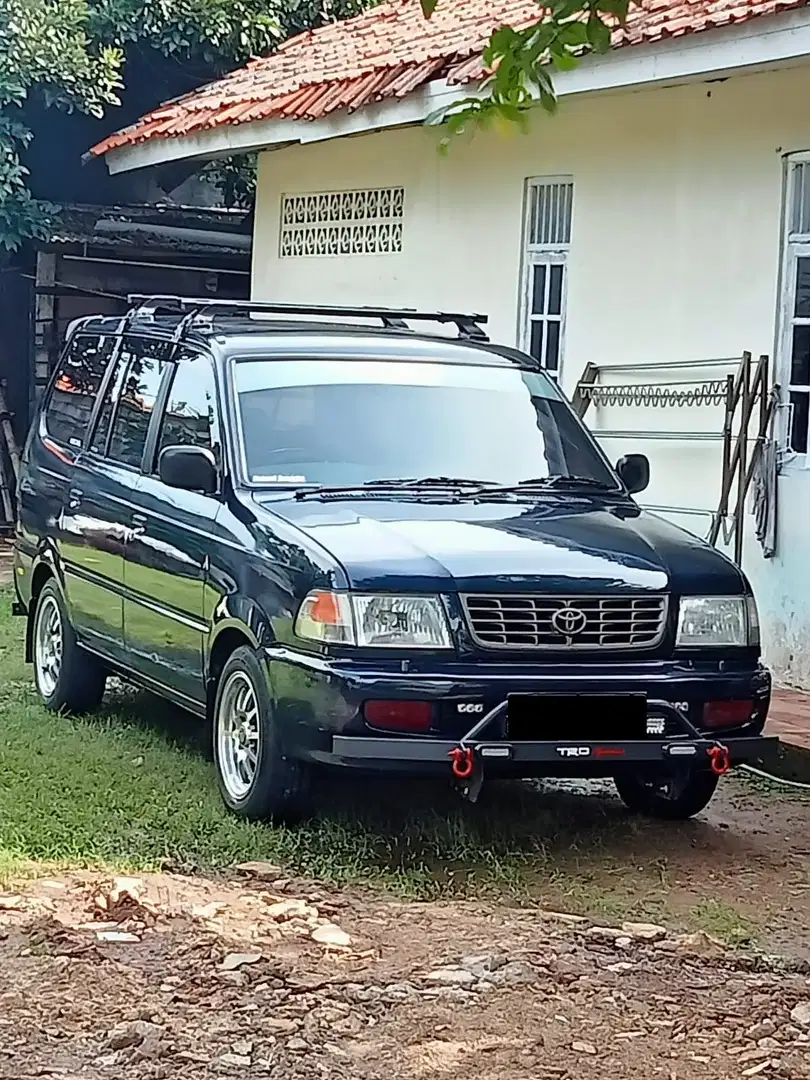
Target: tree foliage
[522,63]
[72,55]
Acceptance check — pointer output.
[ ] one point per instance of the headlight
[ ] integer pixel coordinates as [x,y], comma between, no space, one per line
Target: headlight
[390,622]
[718,621]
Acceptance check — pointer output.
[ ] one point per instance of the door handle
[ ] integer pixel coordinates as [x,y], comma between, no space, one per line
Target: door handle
[74,500]
[138,525]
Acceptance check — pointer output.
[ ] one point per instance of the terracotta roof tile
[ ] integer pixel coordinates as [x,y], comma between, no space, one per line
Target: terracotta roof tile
[391,50]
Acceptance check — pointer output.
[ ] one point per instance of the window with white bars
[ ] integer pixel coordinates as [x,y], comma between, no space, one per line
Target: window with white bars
[795,306]
[547,237]
[367,222]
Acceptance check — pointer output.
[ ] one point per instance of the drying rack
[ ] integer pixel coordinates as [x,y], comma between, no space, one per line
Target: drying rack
[748,404]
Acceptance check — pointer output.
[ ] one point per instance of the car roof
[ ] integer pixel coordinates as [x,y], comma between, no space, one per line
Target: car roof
[241,335]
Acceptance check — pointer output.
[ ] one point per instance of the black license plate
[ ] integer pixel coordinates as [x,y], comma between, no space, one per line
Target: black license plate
[576,717]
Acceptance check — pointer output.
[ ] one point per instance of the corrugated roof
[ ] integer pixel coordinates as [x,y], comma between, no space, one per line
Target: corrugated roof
[391,50]
[79,224]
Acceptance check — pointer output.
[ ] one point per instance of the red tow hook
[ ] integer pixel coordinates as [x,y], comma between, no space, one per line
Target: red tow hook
[720,759]
[463,762]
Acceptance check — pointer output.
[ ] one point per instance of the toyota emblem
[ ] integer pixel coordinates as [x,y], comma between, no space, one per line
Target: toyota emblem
[569,621]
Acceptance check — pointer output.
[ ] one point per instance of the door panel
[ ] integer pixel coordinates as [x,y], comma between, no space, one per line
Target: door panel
[93,535]
[167,557]
[97,512]
[173,534]
[84,522]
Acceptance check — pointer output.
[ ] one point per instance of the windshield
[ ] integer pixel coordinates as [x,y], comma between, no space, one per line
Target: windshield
[346,422]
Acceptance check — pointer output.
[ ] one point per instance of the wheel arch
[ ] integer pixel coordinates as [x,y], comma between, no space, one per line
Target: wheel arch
[229,635]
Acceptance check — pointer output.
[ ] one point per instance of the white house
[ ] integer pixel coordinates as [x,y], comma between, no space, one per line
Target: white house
[660,219]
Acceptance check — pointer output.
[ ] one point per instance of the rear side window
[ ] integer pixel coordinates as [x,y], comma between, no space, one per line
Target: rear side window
[98,443]
[145,364]
[74,393]
[191,418]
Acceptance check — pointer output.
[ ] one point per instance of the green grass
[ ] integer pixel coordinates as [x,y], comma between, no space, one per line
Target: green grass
[132,788]
[723,922]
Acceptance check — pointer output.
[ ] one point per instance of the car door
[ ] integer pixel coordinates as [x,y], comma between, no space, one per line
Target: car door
[166,618]
[89,536]
[98,509]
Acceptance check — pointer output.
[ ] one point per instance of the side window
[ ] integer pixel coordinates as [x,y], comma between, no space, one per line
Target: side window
[98,443]
[76,388]
[146,361]
[191,416]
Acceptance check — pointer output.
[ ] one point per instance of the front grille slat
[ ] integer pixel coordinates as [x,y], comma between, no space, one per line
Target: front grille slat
[536,622]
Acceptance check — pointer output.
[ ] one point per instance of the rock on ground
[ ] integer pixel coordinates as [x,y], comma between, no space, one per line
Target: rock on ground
[427,992]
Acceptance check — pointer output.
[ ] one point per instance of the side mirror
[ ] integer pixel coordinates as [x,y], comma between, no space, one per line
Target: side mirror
[192,468]
[634,472]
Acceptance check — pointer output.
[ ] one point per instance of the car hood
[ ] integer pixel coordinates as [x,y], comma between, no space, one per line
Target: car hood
[567,544]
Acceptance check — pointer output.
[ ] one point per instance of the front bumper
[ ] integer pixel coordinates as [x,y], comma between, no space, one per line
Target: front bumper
[689,746]
[369,751]
[319,702]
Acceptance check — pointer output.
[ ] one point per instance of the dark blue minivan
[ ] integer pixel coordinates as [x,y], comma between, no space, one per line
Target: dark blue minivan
[340,541]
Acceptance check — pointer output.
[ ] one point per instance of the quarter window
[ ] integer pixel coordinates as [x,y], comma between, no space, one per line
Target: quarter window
[190,418]
[98,443]
[76,388]
[146,361]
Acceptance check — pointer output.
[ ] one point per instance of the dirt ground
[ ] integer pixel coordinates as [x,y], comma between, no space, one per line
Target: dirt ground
[748,853]
[165,976]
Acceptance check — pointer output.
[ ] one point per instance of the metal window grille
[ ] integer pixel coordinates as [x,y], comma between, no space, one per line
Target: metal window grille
[795,308]
[549,209]
[550,203]
[334,223]
[799,183]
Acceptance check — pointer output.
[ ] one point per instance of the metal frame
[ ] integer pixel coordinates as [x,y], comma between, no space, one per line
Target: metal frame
[144,307]
[692,744]
[361,749]
[741,394]
[749,388]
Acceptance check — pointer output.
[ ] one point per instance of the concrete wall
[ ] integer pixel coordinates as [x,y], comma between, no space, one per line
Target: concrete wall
[675,255]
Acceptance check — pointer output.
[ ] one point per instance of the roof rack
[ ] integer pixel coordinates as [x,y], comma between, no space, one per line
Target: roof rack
[147,307]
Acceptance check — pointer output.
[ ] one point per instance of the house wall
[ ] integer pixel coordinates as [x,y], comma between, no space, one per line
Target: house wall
[675,255]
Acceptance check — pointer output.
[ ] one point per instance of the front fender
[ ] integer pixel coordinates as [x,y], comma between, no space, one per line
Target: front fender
[242,615]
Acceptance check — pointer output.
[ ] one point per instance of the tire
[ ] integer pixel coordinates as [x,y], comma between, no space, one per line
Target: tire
[67,678]
[673,795]
[257,779]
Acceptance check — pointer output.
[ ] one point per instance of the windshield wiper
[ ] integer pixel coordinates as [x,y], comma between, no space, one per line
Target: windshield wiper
[454,484]
[560,480]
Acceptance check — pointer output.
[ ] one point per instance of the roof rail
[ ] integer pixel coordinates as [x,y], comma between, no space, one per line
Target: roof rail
[146,307]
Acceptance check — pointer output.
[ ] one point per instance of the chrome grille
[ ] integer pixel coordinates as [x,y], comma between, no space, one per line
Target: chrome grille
[566,622]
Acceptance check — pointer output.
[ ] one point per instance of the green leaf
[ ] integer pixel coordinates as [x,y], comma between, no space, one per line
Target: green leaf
[573,34]
[564,61]
[548,101]
[618,8]
[428,7]
[598,34]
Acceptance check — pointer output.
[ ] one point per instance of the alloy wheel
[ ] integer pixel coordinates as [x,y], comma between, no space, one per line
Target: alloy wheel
[238,735]
[48,646]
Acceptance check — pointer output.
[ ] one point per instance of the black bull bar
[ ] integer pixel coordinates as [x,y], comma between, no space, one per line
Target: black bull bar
[463,754]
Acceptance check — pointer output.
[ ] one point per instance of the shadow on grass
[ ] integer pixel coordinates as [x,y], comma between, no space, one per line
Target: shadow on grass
[516,837]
